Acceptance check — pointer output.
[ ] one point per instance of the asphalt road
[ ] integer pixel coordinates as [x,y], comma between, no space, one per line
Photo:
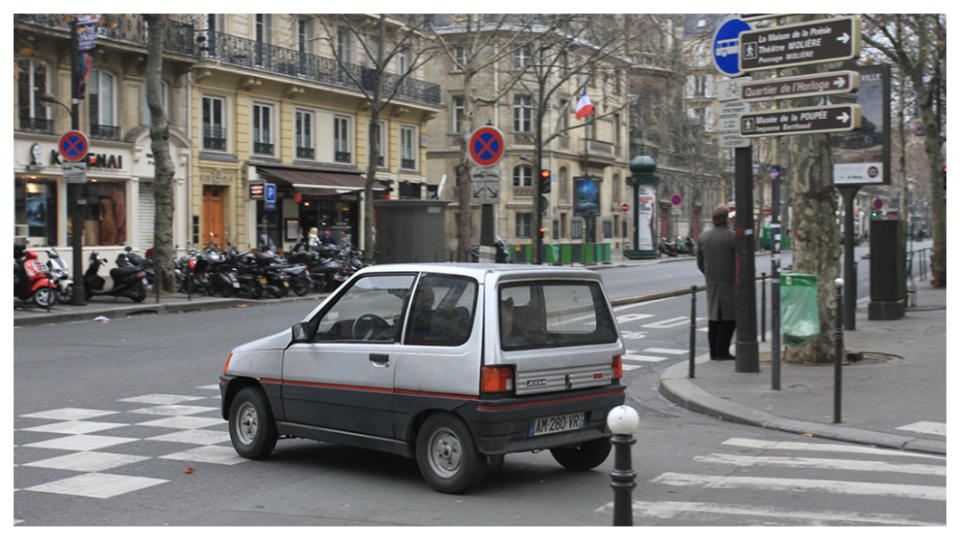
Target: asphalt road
[118,423]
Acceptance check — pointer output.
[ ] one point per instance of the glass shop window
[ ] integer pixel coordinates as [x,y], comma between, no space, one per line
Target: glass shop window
[36,212]
[105,223]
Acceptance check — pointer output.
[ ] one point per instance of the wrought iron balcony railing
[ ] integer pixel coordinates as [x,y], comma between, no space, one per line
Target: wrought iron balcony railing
[248,53]
[99,131]
[40,125]
[408,164]
[263,148]
[341,157]
[214,138]
[304,153]
[129,29]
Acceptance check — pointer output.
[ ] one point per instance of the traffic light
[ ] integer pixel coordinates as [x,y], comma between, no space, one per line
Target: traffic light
[544,181]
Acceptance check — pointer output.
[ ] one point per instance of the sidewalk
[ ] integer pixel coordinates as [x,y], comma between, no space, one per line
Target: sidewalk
[880,395]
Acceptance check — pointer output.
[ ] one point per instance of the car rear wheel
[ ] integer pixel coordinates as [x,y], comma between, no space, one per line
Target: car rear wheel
[253,431]
[446,455]
[583,456]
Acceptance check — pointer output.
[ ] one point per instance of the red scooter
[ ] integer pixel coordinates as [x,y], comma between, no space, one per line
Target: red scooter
[31,281]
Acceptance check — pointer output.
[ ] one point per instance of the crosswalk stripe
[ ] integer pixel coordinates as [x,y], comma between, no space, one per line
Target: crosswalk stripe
[630,367]
[935,493]
[643,358]
[670,509]
[834,464]
[822,447]
[660,350]
[931,428]
[630,317]
[639,304]
[670,323]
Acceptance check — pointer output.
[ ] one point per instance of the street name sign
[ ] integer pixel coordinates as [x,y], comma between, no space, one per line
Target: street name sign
[820,84]
[814,42]
[728,124]
[485,185]
[800,121]
[74,172]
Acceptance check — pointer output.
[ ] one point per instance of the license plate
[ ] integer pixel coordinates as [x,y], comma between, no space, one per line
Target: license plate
[263,281]
[556,424]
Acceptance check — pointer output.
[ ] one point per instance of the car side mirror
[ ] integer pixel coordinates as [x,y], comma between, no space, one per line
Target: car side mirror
[300,332]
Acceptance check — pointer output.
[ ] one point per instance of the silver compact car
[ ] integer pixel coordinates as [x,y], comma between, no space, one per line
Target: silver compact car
[454,365]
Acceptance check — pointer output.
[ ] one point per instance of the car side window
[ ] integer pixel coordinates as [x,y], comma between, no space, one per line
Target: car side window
[370,310]
[442,311]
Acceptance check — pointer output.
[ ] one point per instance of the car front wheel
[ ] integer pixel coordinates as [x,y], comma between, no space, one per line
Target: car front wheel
[252,428]
[583,456]
[446,455]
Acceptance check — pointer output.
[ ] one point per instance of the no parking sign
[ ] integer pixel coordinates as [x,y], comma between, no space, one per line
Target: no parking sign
[486,145]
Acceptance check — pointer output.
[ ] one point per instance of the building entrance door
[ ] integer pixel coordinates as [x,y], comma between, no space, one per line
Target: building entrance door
[213,214]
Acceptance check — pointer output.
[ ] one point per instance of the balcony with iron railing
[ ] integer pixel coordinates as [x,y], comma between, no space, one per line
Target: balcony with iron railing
[102,131]
[304,153]
[214,138]
[263,148]
[243,52]
[128,29]
[36,125]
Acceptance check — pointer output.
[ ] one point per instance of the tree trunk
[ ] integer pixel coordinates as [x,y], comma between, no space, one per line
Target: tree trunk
[162,165]
[816,236]
[464,221]
[933,145]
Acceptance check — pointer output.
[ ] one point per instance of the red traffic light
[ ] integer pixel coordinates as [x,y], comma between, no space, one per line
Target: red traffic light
[544,173]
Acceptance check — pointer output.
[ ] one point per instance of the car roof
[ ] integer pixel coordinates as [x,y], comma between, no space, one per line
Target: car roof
[480,271]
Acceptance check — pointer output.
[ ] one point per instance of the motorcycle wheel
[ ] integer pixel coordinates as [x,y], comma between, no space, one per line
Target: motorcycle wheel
[65,297]
[255,290]
[300,286]
[279,292]
[44,297]
[138,294]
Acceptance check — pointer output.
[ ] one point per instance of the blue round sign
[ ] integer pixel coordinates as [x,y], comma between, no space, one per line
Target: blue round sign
[726,46]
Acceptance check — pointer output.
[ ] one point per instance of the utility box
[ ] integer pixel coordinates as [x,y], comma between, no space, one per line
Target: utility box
[888,269]
[410,230]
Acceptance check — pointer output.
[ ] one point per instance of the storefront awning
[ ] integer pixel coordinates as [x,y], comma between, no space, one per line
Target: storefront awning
[317,182]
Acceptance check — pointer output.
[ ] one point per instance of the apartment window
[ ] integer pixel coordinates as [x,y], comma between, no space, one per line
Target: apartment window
[524,220]
[304,34]
[31,84]
[404,60]
[576,229]
[303,133]
[214,131]
[522,113]
[563,225]
[607,228]
[262,37]
[344,45]
[341,139]
[459,57]
[262,132]
[408,154]
[522,176]
[382,143]
[522,56]
[616,132]
[164,101]
[589,130]
[101,96]
[458,113]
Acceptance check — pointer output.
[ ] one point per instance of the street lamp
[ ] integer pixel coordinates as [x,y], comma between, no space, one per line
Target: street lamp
[48,97]
[623,422]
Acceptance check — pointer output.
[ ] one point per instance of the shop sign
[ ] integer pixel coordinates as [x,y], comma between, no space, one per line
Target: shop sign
[256,191]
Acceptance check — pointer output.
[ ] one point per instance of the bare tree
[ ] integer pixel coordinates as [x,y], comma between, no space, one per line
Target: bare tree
[163,168]
[381,40]
[917,44]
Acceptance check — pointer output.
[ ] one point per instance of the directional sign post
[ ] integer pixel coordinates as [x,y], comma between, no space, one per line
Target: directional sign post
[821,84]
[485,185]
[825,40]
[800,121]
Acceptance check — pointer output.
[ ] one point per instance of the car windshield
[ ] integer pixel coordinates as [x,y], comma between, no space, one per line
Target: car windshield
[554,314]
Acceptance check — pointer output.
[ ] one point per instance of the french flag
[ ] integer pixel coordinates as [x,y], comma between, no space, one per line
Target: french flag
[584,107]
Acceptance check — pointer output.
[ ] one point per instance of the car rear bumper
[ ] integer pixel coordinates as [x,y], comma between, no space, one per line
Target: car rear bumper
[501,426]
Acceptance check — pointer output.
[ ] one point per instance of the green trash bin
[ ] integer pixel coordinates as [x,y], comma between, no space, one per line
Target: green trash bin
[799,314]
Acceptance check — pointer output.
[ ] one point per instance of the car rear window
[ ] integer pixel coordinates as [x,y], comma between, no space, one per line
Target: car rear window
[554,314]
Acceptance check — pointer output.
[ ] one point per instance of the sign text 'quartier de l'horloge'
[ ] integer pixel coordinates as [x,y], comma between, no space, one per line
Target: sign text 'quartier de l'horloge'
[821,84]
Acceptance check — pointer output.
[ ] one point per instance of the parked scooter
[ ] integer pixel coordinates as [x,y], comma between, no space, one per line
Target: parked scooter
[503,256]
[667,247]
[685,245]
[129,281]
[60,275]
[31,281]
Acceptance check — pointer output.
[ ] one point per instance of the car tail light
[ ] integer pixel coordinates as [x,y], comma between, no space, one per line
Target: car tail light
[227,363]
[617,366]
[495,379]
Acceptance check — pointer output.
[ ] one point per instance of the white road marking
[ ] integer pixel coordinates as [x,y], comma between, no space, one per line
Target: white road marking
[209,387]
[820,447]
[630,317]
[75,427]
[194,436]
[818,463]
[87,461]
[660,350]
[97,485]
[81,443]
[160,399]
[672,322]
[935,493]
[630,367]
[670,509]
[183,422]
[174,410]
[643,358]
[931,428]
[219,455]
[69,413]
[638,304]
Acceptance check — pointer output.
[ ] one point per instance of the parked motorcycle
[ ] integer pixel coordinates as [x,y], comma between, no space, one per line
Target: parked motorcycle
[685,245]
[503,256]
[667,247]
[31,281]
[129,281]
[60,275]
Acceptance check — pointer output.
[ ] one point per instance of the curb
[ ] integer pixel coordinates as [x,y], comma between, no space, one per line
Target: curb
[677,387]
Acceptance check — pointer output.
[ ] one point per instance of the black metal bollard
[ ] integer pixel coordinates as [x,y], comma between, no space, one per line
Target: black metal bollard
[838,352]
[693,328]
[763,306]
[623,422]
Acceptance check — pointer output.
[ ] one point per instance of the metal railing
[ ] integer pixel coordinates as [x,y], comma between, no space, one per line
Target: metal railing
[305,153]
[100,131]
[248,53]
[129,29]
[40,125]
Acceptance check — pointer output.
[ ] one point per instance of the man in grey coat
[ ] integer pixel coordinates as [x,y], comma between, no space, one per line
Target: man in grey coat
[716,258]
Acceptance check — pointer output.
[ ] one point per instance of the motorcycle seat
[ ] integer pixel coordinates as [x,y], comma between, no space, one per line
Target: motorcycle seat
[123,271]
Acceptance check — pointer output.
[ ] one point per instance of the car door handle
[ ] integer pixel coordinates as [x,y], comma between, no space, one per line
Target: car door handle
[380,360]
